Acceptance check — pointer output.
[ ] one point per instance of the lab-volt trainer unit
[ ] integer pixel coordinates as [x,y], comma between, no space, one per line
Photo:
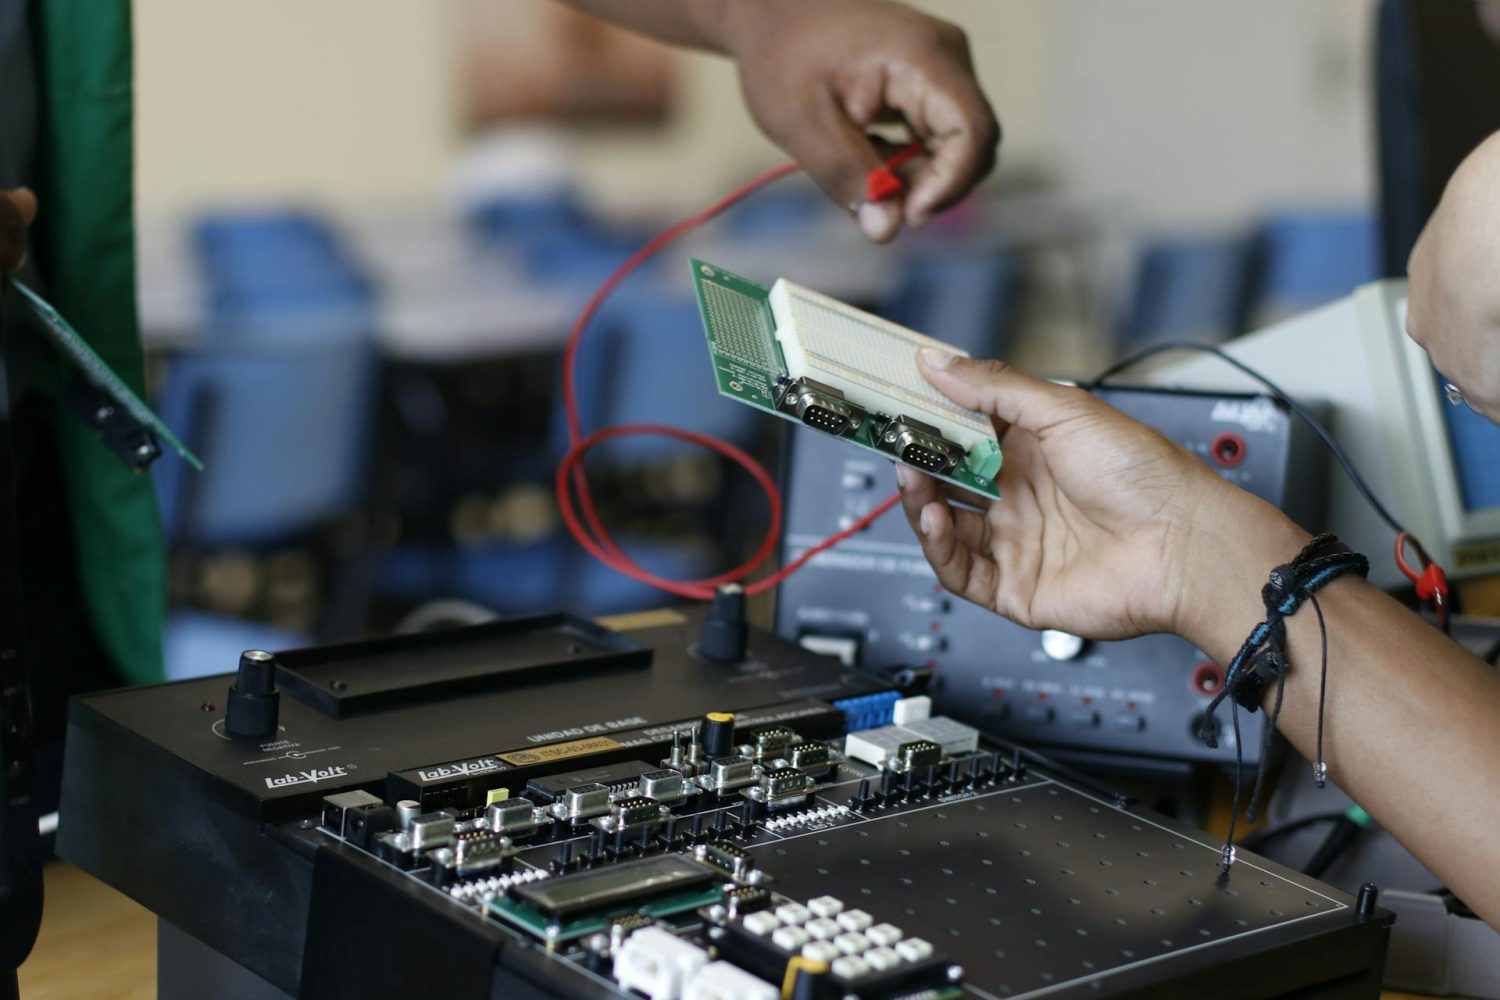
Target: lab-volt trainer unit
[874,601]
[550,807]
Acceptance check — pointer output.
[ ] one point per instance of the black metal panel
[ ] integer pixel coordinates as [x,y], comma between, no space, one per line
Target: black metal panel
[360,676]
[434,952]
[187,969]
[138,822]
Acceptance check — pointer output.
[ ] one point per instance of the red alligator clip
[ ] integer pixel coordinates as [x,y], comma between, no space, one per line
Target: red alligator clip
[882,182]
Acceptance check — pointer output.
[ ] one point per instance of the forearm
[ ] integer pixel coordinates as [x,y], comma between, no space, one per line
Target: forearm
[1412,720]
[699,24]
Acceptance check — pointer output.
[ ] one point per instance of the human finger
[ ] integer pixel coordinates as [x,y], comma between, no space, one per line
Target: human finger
[1003,392]
[959,568]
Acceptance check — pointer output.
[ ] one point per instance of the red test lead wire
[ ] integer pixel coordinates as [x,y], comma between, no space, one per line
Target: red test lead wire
[588,529]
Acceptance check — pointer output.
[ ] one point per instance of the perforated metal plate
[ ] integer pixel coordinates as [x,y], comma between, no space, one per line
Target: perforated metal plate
[1039,888]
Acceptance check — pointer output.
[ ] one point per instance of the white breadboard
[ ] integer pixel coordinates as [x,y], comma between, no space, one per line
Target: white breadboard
[872,360]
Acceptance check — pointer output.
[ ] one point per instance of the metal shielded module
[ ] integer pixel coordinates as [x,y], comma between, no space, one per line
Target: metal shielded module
[815,360]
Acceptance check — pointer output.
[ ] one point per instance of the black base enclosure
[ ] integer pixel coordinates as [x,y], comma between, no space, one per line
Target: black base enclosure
[549,807]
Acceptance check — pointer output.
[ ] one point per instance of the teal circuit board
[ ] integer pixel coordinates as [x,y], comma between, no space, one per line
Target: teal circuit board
[750,368]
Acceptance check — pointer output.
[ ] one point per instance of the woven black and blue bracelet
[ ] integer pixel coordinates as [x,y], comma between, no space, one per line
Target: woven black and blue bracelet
[1262,659]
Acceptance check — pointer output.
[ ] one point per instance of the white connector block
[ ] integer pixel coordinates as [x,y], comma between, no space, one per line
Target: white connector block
[911,709]
[658,963]
[876,746]
[953,736]
[723,981]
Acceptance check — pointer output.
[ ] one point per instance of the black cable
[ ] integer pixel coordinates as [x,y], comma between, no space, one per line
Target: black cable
[1266,735]
[1281,396]
[1343,835]
[1320,766]
[1227,858]
[1259,839]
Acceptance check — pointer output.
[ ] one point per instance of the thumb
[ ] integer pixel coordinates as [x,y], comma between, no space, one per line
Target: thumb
[838,154]
[995,388]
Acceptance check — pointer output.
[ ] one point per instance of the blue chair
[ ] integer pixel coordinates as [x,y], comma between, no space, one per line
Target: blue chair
[1304,259]
[268,268]
[645,361]
[965,299]
[534,578]
[510,579]
[513,217]
[1187,288]
[559,241]
[524,579]
[197,644]
[781,212]
[282,425]
[413,573]
[598,590]
[283,428]
[584,257]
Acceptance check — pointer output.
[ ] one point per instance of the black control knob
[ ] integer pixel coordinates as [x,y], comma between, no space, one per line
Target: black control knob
[718,735]
[253,699]
[725,631]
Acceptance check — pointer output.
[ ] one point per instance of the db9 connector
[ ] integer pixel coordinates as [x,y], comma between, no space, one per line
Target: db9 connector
[920,445]
[820,406]
[915,755]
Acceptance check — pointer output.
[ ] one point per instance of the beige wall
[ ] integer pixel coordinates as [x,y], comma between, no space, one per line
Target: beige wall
[1200,111]
[342,99]
[1184,109]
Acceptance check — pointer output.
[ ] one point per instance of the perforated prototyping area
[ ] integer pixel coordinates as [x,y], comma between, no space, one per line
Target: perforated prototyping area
[1039,887]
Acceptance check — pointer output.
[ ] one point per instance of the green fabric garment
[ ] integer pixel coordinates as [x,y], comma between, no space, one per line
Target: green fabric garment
[84,237]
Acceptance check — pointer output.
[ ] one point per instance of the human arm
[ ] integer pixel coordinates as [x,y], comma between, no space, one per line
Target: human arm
[1107,529]
[1453,308]
[17,209]
[816,75]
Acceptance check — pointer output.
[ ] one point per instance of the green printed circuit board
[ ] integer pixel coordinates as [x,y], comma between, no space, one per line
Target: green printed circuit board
[750,367]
